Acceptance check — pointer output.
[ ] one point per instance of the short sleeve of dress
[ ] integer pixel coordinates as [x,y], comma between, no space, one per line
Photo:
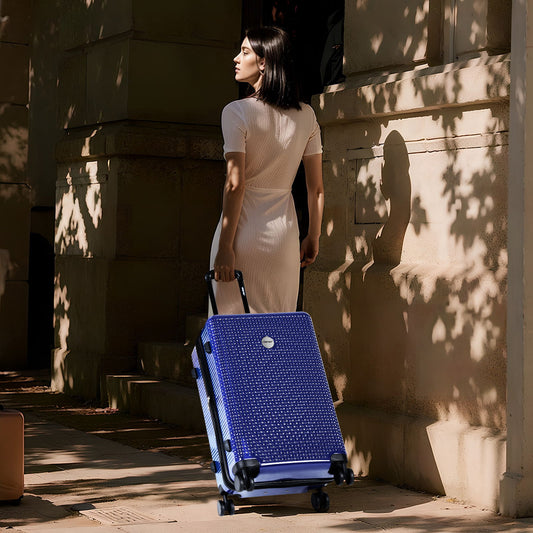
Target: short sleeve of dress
[233,128]
[314,143]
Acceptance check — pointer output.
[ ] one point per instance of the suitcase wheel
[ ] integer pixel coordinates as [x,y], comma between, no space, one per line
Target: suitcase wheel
[350,477]
[347,476]
[243,481]
[341,472]
[225,506]
[320,502]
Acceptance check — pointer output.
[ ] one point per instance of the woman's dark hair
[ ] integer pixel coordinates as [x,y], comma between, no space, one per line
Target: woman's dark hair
[279,86]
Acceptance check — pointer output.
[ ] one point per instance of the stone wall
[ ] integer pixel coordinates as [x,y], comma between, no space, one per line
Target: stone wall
[15,197]
[409,292]
[140,91]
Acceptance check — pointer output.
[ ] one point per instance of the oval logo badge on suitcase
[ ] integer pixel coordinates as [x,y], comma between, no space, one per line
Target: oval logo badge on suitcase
[267,342]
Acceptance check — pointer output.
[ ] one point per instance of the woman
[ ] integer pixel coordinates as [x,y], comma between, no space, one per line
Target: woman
[266,136]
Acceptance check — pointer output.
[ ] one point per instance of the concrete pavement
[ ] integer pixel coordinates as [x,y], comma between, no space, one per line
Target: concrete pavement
[80,482]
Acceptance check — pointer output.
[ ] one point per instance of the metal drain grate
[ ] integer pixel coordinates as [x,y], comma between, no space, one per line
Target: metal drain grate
[118,516]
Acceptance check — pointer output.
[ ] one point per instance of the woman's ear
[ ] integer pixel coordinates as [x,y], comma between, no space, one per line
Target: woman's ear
[261,64]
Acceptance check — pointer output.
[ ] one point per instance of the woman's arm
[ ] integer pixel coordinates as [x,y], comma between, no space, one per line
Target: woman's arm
[231,210]
[315,202]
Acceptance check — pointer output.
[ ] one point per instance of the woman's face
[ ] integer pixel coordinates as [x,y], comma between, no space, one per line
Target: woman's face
[248,65]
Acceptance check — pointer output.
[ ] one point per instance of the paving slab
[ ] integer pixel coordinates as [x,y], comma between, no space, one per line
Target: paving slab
[76,481]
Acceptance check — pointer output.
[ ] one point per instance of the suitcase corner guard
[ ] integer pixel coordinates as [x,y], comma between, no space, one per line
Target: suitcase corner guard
[244,473]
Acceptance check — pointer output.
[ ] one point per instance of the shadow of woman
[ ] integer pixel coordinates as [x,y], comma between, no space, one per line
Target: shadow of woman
[379,327]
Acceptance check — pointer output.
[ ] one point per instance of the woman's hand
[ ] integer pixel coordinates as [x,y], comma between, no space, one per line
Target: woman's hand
[224,266]
[308,251]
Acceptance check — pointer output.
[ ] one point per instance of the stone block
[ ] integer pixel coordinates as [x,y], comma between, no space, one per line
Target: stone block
[80,304]
[325,299]
[470,461]
[72,91]
[76,373]
[499,26]
[148,207]
[13,143]
[166,360]
[374,442]
[14,326]
[5,265]
[194,324]
[109,82]
[18,26]
[86,209]
[458,351]
[85,22]
[378,340]
[15,227]
[454,198]
[192,292]
[120,390]
[470,27]
[168,402]
[170,71]
[414,339]
[200,208]
[461,461]
[42,223]
[370,203]
[339,195]
[421,469]
[43,111]
[141,303]
[382,34]
[187,22]
[14,59]
[474,82]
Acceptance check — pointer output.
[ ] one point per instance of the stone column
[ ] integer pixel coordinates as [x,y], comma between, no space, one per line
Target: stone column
[14,187]
[517,485]
[140,89]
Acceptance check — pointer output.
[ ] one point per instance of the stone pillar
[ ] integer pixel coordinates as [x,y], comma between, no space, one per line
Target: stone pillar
[517,485]
[140,89]
[14,188]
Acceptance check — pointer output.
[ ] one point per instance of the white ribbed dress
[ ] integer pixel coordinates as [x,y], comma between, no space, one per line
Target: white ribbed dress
[266,245]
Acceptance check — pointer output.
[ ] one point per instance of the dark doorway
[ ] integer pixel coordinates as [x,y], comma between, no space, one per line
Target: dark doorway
[316,29]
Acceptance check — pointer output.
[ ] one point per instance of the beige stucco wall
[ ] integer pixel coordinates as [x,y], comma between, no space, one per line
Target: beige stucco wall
[14,186]
[409,292]
[139,172]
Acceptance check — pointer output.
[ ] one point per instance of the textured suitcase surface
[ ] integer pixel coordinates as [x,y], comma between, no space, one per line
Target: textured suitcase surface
[11,455]
[273,402]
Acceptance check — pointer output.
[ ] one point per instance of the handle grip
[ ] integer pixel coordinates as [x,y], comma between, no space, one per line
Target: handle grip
[210,276]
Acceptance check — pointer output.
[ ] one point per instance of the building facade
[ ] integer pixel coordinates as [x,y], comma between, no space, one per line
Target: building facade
[419,294]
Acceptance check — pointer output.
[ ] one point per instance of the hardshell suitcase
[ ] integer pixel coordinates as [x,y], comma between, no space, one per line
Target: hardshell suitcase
[267,406]
[11,455]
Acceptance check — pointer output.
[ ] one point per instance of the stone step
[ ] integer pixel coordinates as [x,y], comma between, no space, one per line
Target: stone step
[166,360]
[163,400]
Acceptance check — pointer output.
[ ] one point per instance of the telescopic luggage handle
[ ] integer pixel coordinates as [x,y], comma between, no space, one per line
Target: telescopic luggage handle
[210,276]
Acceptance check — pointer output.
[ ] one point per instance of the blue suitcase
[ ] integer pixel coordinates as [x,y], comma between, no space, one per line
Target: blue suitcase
[267,406]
